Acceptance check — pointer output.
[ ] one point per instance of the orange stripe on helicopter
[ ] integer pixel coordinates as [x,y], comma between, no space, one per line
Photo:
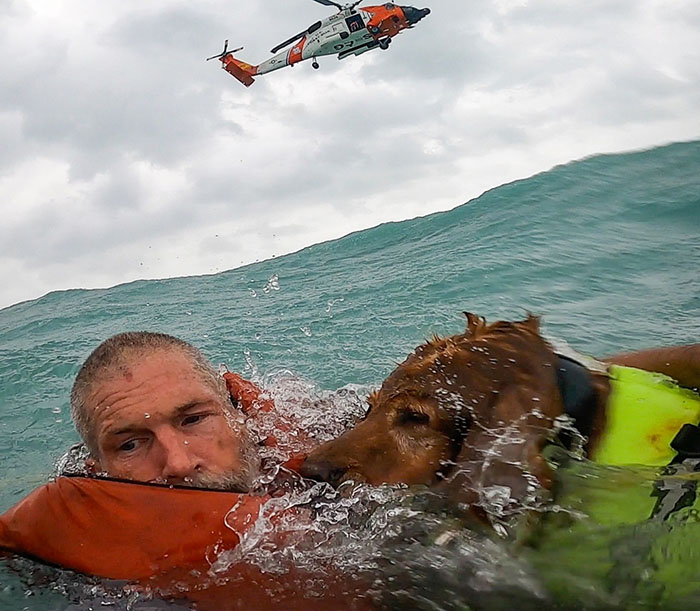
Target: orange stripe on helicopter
[294,55]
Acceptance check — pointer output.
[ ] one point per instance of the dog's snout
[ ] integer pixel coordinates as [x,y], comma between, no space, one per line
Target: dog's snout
[322,471]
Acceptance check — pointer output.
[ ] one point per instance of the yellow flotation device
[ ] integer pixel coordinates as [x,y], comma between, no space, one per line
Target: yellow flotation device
[624,532]
[645,411]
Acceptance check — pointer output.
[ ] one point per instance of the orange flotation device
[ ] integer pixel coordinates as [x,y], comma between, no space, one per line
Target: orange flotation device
[151,534]
[126,530]
[252,400]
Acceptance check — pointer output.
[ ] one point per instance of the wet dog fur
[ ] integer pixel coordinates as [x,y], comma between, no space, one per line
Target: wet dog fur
[473,411]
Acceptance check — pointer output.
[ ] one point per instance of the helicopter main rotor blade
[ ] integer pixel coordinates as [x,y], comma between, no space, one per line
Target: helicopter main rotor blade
[330,3]
[314,27]
[288,41]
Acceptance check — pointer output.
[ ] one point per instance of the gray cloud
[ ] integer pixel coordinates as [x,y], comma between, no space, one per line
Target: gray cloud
[126,155]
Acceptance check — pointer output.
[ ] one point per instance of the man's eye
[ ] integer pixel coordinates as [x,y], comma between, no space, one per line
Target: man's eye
[193,419]
[411,416]
[128,446]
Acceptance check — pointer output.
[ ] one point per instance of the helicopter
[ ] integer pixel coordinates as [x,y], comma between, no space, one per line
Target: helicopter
[353,30]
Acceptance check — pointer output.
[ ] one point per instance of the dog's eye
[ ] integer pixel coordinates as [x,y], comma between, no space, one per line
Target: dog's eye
[411,416]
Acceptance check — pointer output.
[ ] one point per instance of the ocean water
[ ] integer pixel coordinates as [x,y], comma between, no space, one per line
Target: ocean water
[606,249]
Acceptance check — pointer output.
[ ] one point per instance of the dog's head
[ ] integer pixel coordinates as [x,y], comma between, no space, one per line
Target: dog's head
[482,400]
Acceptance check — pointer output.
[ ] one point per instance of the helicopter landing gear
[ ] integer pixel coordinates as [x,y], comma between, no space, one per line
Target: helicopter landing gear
[384,43]
[315,65]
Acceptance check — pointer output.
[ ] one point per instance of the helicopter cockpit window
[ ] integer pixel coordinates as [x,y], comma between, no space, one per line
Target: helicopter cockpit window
[355,23]
[314,27]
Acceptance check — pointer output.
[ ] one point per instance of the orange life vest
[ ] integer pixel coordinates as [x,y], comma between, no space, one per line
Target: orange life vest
[252,400]
[125,530]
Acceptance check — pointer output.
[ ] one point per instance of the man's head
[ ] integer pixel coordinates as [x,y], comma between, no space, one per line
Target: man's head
[150,407]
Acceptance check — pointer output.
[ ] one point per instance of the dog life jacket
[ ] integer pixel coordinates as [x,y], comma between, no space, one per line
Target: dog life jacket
[135,531]
[650,420]
[626,535]
[644,414]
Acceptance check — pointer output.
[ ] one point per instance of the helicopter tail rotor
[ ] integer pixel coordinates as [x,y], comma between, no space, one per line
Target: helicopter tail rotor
[225,51]
[235,67]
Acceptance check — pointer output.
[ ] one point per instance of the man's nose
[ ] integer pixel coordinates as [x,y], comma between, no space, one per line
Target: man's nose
[179,460]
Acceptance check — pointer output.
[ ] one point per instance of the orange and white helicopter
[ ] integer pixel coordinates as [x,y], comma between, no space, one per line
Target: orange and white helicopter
[352,31]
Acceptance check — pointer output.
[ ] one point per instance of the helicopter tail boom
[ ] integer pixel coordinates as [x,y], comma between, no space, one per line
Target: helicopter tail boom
[241,70]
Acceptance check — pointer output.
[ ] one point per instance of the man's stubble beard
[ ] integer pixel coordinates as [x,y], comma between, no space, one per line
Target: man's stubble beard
[242,480]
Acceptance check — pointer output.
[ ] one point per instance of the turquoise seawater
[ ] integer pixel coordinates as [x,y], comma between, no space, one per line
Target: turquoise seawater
[606,249]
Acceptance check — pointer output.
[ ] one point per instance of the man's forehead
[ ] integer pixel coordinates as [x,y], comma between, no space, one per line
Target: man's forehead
[140,367]
[134,359]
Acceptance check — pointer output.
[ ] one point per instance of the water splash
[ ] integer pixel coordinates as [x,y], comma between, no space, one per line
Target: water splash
[408,547]
[273,284]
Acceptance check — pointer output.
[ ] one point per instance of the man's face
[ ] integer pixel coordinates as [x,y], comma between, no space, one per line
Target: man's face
[158,421]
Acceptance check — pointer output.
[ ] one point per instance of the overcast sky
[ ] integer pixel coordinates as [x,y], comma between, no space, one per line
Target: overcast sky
[125,155]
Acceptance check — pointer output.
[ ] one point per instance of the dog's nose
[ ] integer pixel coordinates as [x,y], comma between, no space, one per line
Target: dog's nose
[322,471]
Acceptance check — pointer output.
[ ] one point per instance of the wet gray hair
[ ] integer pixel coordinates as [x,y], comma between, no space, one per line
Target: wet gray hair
[117,354]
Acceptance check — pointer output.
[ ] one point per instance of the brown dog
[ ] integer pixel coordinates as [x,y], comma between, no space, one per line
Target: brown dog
[474,411]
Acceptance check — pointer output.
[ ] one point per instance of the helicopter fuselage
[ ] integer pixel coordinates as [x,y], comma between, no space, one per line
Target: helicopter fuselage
[340,34]
[352,31]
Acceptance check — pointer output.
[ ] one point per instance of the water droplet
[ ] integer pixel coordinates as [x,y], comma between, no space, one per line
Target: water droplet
[273,284]
[147,415]
[332,302]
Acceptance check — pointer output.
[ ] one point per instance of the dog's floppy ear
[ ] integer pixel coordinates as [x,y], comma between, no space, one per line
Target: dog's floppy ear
[506,451]
[475,324]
